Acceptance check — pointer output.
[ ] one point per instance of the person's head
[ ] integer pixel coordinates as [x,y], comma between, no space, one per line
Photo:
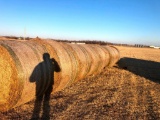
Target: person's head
[46,56]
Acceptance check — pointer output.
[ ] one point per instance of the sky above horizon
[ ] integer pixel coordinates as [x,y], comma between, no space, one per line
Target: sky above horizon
[116,21]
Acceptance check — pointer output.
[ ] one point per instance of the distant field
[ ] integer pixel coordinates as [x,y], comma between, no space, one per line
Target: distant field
[129,90]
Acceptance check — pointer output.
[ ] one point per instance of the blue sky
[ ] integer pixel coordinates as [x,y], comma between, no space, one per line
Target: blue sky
[117,21]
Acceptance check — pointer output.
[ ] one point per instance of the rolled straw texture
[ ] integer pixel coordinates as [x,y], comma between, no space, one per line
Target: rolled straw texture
[103,56]
[83,59]
[93,60]
[18,62]
[53,50]
[114,55]
[23,67]
[66,63]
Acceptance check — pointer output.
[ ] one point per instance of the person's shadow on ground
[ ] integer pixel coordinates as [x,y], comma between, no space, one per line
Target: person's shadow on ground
[43,76]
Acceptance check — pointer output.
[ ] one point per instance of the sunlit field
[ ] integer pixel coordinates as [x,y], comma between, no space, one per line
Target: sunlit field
[129,90]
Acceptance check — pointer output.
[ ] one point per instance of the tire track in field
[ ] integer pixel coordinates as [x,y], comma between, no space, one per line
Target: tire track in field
[122,98]
[144,107]
[112,89]
[125,96]
[139,98]
[116,99]
[155,98]
[151,114]
[152,101]
[135,98]
[132,97]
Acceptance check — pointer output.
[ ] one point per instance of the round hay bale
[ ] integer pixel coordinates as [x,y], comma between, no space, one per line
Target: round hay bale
[94,61]
[103,56]
[29,68]
[8,79]
[74,62]
[83,60]
[114,55]
[21,59]
[65,63]
[88,60]
[51,49]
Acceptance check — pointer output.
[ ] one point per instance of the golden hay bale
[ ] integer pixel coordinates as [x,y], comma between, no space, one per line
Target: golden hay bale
[74,62]
[66,59]
[8,79]
[27,67]
[21,59]
[94,59]
[103,55]
[114,55]
[53,55]
[83,60]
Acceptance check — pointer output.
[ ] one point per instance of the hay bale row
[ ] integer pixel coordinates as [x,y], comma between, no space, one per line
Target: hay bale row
[29,68]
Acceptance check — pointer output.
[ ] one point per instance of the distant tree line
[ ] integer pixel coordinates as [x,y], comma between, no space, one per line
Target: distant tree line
[17,38]
[99,42]
[140,45]
[86,42]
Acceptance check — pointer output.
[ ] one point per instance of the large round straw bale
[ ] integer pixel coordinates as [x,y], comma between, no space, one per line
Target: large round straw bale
[103,57]
[19,60]
[65,63]
[25,72]
[88,60]
[83,60]
[96,62]
[114,55]
[8,79]
[46,79]
[74,62]
[51,49]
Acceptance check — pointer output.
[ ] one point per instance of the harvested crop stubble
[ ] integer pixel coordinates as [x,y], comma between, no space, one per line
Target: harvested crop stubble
[26,73]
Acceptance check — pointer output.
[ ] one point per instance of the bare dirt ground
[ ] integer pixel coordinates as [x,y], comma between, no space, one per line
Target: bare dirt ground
[129,90]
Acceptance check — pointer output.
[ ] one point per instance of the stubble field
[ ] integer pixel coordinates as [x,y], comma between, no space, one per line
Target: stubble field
[129,90]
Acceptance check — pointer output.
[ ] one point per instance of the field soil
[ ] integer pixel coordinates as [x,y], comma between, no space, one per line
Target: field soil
[129,90]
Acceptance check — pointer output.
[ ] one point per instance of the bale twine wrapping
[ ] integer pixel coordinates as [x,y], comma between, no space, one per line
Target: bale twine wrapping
[21,76]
